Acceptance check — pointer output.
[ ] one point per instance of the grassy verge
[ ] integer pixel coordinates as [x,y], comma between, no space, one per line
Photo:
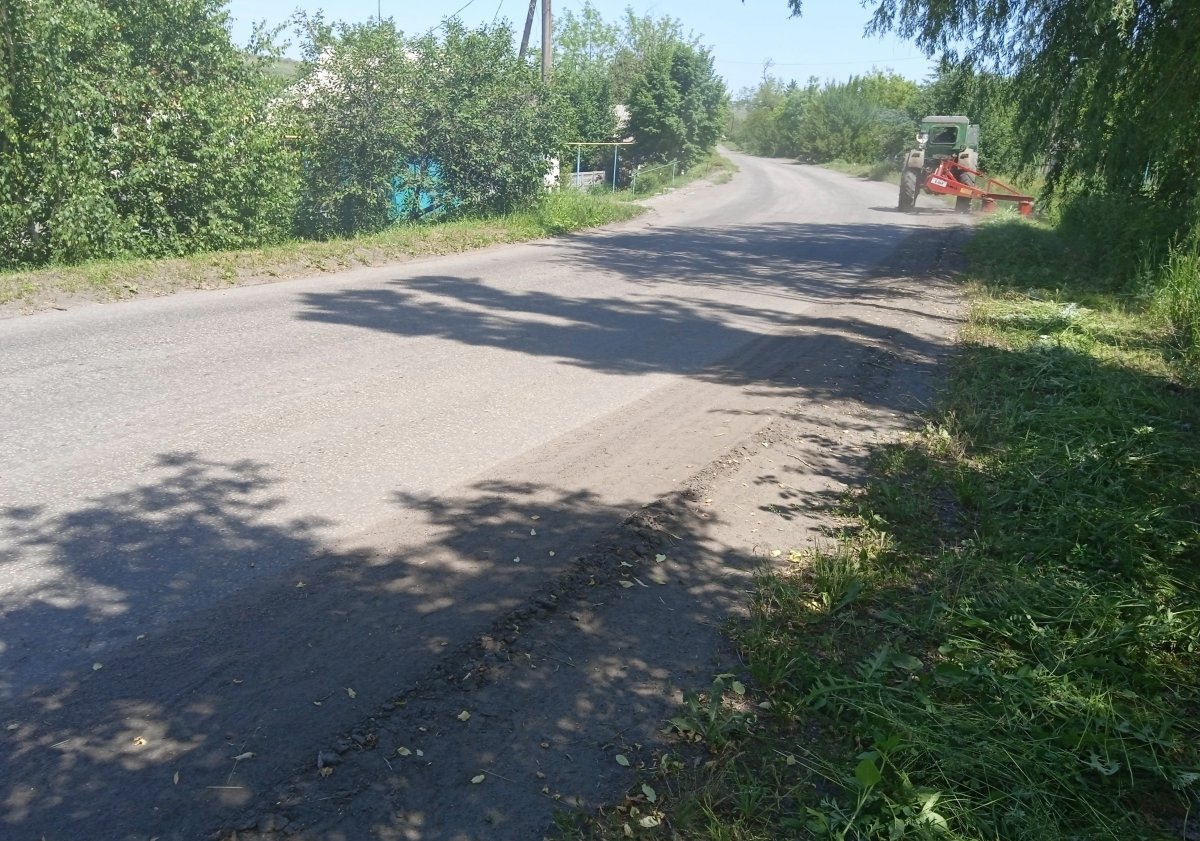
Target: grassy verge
[714,167]
[888,171]
[1005,641]
[110,280]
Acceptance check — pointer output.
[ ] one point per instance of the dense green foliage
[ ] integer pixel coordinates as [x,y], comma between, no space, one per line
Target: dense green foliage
[676,103]
[873,117]
[454,124]
[133,127]
[585,51]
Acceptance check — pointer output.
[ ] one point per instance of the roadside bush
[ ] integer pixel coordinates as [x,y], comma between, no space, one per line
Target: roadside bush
[133,127]
[398,128]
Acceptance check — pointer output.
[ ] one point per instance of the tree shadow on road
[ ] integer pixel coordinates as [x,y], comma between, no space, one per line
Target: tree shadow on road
[220,634]
[729,306]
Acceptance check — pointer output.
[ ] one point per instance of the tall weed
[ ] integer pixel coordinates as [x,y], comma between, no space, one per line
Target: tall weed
[1176,295]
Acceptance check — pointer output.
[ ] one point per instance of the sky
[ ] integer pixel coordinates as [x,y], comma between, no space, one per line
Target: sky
[827,42]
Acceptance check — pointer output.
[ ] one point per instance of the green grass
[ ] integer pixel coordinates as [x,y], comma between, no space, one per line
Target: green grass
[1174,288]
[1005,641]
[109,280]
[888,171]
[714,167]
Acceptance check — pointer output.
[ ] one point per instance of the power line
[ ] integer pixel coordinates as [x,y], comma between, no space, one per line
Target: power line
[450,17]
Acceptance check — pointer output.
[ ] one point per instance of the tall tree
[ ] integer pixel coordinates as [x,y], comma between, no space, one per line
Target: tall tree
[584,50]
[677,104]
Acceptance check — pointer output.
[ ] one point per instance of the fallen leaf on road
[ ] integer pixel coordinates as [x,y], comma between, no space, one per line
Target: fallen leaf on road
[476,780]
[402,751]
[242,756]
[533,532]
[517,559]
[351,692]
[552,554]
[658,559]
[464,715]
[625,584]
[327,771]
[97,667]
[176,778]
[534,517]
[650,821]
[651,794]
[300,585]
[622,760]
[420,752]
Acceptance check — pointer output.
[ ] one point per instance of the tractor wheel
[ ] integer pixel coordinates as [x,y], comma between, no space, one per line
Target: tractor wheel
[908,189]
[962,204]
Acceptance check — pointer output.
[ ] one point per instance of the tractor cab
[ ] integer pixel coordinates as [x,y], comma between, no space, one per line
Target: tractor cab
[941,136]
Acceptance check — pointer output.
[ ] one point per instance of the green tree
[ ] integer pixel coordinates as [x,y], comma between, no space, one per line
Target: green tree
[584,50]
[395,128]
[677,105]
[133,127]
[864,119]
[356,111]
[486,120]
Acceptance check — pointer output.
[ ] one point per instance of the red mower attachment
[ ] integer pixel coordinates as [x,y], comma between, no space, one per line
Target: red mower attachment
[948,180]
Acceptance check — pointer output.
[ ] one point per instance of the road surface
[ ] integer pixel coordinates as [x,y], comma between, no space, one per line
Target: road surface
[235,525]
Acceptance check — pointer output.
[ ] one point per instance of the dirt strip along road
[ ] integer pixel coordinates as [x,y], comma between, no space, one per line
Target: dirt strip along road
[303,560]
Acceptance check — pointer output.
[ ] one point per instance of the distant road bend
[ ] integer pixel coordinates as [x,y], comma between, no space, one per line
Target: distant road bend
[235,522]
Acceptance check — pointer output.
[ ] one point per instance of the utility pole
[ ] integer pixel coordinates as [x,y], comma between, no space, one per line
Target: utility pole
[528,27]
[547,46]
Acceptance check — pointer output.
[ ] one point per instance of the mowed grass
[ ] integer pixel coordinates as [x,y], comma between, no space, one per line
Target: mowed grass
[109,280]
[1003,641]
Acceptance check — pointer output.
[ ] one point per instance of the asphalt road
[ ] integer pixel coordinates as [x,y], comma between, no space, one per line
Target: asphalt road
[228,519]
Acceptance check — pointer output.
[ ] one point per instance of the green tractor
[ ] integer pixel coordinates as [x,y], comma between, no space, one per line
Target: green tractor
[941,139]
